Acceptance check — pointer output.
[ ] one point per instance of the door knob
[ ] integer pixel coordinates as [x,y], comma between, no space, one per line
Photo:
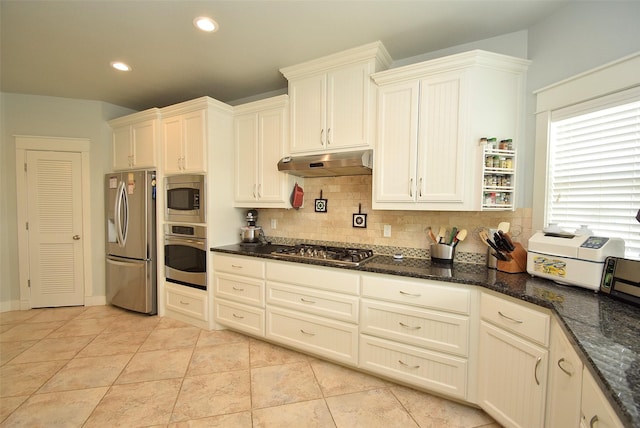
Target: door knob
[76,237]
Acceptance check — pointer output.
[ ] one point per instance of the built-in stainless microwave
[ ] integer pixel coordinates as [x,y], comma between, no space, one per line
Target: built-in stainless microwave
[185,198]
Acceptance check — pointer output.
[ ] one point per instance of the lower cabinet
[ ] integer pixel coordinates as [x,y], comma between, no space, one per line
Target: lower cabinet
[187,304]
[595,411]
[328,338]
[421,367]
[240,317]
[513,362]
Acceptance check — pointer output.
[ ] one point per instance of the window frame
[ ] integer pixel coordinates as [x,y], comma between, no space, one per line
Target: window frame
[610,80]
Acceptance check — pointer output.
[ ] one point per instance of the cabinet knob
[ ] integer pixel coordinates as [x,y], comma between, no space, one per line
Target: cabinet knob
[76,237]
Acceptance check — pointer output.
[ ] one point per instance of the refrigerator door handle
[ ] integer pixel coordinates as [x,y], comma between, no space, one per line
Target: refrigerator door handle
[121,208]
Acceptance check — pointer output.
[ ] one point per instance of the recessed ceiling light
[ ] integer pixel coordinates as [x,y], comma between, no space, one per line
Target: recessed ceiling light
[206,24]
[120,66]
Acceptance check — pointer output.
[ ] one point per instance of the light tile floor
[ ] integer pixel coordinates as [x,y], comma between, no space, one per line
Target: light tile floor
[101,366]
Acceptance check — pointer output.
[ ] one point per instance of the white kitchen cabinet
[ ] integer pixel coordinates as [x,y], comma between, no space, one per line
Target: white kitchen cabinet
[239,293]
[134,141]
[314,309]
[513,365]
[187,304]
[595,409]
[431,117]
[332,100]
[260,134]
[418,331]
[184,142]
[565,381]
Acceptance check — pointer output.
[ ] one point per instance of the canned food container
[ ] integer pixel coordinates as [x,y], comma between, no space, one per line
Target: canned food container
[442,253]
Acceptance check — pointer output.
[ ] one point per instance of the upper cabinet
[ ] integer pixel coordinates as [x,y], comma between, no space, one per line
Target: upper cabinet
[332,100]
[134,140]
[260,141]
[431,117]
[186,130]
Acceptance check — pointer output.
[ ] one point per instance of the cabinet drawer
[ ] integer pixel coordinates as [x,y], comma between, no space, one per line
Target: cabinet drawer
[527,322]
[245,266]
[323,278]
[333,305]
[239,289]
[240,317]
[450,298]
[437,372]
[439,331]
[188,302]
[332,339]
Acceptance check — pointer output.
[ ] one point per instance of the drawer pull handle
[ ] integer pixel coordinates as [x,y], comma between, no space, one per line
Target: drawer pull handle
[509,318]
[302,299]
[567,372]
[238,288]
[184,303]
[238,316]
[593,421]
[404,293]
[535,370]
[407,365]
[409,327]
[236,266]
[307,333]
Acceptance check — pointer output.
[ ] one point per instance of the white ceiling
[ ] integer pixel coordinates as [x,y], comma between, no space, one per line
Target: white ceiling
[63,48]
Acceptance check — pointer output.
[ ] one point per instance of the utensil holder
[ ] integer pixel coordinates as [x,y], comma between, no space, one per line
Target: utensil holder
[518,262]
[492,262]
[442,253]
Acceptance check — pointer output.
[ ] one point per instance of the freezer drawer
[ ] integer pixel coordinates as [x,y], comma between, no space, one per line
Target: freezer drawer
[131,284]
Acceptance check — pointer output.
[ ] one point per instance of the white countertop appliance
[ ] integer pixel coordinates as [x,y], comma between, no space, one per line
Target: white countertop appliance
[571,259]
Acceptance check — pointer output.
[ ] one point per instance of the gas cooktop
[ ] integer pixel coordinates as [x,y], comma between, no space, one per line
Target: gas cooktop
[337,255]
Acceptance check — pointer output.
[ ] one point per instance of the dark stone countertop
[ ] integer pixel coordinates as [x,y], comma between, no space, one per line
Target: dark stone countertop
[605,331]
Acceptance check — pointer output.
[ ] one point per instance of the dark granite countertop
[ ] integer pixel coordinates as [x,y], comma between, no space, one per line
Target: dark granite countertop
[605,331]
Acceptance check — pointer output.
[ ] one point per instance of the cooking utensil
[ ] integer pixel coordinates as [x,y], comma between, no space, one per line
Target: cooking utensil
[441,233]
[430,234]
[507,241]
[460,236]
[504,226]
[454,232]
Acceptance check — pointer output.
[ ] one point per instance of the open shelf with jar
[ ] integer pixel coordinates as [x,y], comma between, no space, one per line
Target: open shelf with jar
[498,175]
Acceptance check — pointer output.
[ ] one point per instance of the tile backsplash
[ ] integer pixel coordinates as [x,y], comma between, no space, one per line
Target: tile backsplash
[408,228]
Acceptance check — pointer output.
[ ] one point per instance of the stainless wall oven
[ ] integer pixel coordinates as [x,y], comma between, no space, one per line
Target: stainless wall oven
[185,201]
[185,255]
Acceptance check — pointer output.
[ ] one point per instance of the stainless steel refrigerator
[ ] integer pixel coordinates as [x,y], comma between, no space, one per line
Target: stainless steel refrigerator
[131,240]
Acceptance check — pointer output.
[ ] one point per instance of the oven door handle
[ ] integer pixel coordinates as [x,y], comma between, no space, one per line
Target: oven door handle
[197,244]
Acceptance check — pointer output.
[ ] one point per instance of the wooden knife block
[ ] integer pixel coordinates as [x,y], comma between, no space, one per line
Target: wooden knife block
[518,262]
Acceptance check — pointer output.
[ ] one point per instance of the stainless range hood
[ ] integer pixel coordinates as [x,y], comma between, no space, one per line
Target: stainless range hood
[328,165]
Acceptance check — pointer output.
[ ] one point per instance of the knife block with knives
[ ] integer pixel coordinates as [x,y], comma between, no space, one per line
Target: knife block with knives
[518,262]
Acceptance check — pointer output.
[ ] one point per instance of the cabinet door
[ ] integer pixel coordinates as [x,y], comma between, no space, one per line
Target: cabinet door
[565,382]
[513,377]
[144,144]
[441,153]
[122,148]
[596,411]
[348,103]
[172,143]
[396,151]
[272,184]
[308,111]
[194,143]
[246,156]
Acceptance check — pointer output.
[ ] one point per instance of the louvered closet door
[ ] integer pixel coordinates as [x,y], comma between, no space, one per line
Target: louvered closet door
[54,213]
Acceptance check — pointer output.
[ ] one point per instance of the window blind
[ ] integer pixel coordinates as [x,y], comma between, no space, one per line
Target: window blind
[594,173]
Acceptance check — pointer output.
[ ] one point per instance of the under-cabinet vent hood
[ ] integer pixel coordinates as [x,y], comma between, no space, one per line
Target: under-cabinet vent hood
[328,165]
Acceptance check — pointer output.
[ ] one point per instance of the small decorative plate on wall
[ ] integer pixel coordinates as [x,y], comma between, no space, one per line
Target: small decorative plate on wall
[359,219]
[321,204]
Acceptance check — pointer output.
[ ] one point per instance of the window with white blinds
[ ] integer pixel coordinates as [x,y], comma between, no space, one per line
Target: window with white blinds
[594,169]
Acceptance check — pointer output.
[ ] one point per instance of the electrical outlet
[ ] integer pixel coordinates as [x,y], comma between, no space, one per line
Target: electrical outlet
[387,230]
[274,223]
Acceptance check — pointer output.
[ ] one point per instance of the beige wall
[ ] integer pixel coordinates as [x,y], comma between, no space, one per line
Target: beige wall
[407,227]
